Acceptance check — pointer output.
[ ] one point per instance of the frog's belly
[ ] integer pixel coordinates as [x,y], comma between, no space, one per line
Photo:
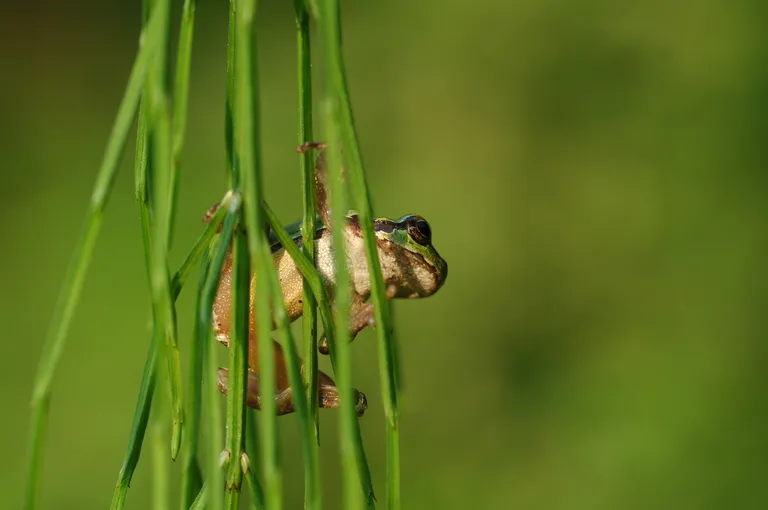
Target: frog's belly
[292,282]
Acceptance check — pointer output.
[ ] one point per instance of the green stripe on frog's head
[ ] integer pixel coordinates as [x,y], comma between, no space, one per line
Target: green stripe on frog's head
[414,234]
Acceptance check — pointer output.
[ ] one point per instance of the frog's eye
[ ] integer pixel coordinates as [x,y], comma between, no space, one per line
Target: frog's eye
[419,230]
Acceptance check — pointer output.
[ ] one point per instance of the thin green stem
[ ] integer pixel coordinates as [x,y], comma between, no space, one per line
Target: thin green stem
[300,402]
[257,495]
[341,113]
[246,127]
[312,493]
[238,366]
[180,100]
[81,257]
[340,204]
[164,313]
[201,499]
[204,328]
[252,447]
[309,273]
[160,485]
[192,477]
[339,207]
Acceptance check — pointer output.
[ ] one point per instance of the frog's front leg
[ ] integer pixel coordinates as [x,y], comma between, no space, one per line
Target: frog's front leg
[361,315]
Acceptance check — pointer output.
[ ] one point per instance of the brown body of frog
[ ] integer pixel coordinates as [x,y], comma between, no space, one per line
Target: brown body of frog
[405,273]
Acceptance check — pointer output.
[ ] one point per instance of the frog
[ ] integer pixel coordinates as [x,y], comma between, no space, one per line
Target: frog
[410,265]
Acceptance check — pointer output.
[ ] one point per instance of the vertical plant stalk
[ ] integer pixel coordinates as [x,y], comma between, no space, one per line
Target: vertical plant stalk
[192,477]
[246,138]
[340,205]
[238,366]
[215,481]
[340,124]
[251,446]
[312,493]
[181,100]
[160,485]
[164,313]
[81,257]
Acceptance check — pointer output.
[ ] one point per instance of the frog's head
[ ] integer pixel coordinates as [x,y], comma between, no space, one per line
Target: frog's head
[409,261]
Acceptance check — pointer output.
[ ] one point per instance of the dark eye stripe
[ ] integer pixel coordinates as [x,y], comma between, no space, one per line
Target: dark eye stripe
[386,226]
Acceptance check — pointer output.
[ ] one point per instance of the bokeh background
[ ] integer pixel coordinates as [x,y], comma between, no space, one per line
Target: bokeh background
[594,173]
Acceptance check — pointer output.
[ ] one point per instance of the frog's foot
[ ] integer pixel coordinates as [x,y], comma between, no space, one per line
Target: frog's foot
[329,397]
[283,399]
[328,393]
[360,316]
[306,147]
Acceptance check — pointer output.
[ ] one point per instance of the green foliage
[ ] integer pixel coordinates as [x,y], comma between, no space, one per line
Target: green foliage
[593,174]
[158,152]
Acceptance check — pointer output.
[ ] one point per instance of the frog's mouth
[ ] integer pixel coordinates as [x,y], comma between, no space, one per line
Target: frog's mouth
[442,272]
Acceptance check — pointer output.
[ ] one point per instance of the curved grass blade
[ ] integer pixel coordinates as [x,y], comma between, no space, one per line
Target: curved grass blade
[73,281]
[201,499]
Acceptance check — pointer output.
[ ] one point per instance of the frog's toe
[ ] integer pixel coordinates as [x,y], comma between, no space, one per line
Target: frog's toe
[322,346]
[362,403]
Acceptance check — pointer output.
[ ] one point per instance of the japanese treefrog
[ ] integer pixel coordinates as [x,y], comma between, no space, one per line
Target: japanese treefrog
[410,265]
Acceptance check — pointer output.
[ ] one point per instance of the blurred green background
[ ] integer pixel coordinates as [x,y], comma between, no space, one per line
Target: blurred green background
[595,176]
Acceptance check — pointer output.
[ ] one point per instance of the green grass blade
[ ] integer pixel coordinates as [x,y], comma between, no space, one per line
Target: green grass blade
[309,273]
[342,113]
[340,204]
[160,484]
[201,499]
[229,133]
[252,447]
[164,313]
[249,168]
[257,495]
[180,100]
[238,366]
[191,475]
[215,479]
[300,402]
[202,242]
[333,122]
[73,281]
[139,427]
[312,492]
